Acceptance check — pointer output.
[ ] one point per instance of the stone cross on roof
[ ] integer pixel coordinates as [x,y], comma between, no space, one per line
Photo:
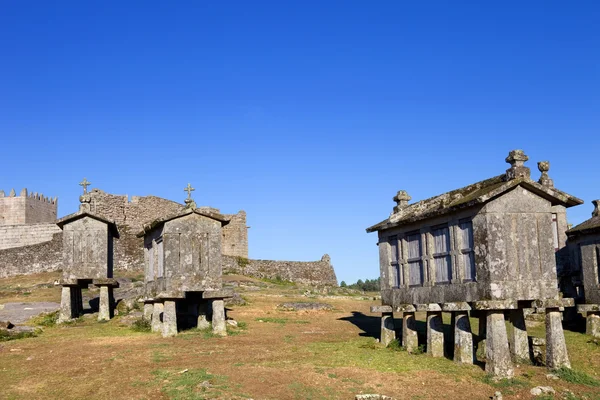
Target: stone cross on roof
[189,202]
[85,184]
[189,189]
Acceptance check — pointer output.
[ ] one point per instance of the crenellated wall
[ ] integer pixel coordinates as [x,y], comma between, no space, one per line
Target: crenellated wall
[26,208]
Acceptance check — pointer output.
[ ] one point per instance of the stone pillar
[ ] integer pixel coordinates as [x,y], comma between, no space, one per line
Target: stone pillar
[497,353]
[435,334]
[218,318]
[556,348]
[481,334]
[169,325]
[388,333]
[105,309]
[202,318]
[592,327]
[463,338]
[519,343]
[157,317]
[148,311]
[66,305]
[410,339]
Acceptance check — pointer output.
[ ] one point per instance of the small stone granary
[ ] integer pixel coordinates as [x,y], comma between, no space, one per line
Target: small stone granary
[183,270]
[87,258]
[584,246]
[487,248]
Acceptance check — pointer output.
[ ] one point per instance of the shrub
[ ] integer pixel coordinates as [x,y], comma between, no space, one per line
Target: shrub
[141,325]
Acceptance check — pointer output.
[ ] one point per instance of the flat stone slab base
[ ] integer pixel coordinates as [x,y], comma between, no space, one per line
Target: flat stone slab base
[19,313]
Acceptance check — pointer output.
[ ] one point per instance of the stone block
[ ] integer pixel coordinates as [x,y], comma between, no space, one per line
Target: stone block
[593,324]
[497,353]
[410,340]
[496,305]
[388,332]
[157,316]
[463,338]
[381,309]
[457,306]
[218,318]
[556,347]
[435,334]
[169,325]
[519,342]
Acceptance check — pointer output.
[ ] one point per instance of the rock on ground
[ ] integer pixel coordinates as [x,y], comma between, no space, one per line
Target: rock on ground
[18,313]
[305,307]
[539,390]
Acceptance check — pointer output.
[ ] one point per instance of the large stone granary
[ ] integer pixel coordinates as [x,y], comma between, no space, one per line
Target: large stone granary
[183,269]
[486,248]
[584,247]
[87,259]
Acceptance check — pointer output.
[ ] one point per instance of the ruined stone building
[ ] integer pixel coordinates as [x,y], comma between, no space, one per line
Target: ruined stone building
[584,247]
[486,248]
[183,270]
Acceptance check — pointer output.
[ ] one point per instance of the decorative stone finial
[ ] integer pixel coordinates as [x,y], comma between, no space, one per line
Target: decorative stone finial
[401,198]
[189,202]
[85,199]
[2,193]
[12,193]
[596,211]
[23,192]
[544,167]
[516,159]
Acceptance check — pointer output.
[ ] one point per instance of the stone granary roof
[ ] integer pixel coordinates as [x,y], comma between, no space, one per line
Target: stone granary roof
[589,226]
[83,213]
[204,211]
[477,193]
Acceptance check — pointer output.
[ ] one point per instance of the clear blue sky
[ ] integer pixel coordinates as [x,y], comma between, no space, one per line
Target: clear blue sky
[308,115]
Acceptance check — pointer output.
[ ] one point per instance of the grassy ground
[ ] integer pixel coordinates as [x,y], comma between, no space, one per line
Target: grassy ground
[273,355]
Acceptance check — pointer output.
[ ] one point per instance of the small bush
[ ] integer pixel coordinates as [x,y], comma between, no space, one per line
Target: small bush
[395,345]
[141,325]
[46,319]
[577,377]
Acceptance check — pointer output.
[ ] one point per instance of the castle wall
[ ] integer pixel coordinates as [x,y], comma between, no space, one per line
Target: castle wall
[304,272]
[26,208]
[41,257]
[26,235]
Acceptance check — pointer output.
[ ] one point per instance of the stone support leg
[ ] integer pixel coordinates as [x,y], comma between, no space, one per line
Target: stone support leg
[148,310]
[556,348]
[105,307]
[202,316]
[435,334]
[463,338]
[388,333]
[169,326]
[218,318]
[519,343]
[410,339]
[497,353]
[592,327]
[66,305]
[157,314]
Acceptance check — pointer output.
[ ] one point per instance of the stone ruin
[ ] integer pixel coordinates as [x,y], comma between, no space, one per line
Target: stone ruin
[87,259]
[183,270]
[584,246]
[487,249]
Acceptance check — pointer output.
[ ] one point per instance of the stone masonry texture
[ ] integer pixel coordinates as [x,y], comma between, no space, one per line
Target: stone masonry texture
[26,208]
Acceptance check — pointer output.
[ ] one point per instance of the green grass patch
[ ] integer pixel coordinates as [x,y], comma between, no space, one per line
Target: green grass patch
[576,377]
[282,321]
[508,386]
[46,319]
[5,336]
[194,384]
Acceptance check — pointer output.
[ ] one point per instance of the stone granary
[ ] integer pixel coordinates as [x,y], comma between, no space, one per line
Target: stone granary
[584,246]
[87,258]
[488,248]
[183,273]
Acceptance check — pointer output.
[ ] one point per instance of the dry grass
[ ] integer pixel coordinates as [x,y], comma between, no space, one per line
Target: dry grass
[289,355]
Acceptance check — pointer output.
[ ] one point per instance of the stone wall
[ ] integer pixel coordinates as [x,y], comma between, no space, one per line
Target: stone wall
[304,272]
[33,259]
[26,235]
[26,208]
